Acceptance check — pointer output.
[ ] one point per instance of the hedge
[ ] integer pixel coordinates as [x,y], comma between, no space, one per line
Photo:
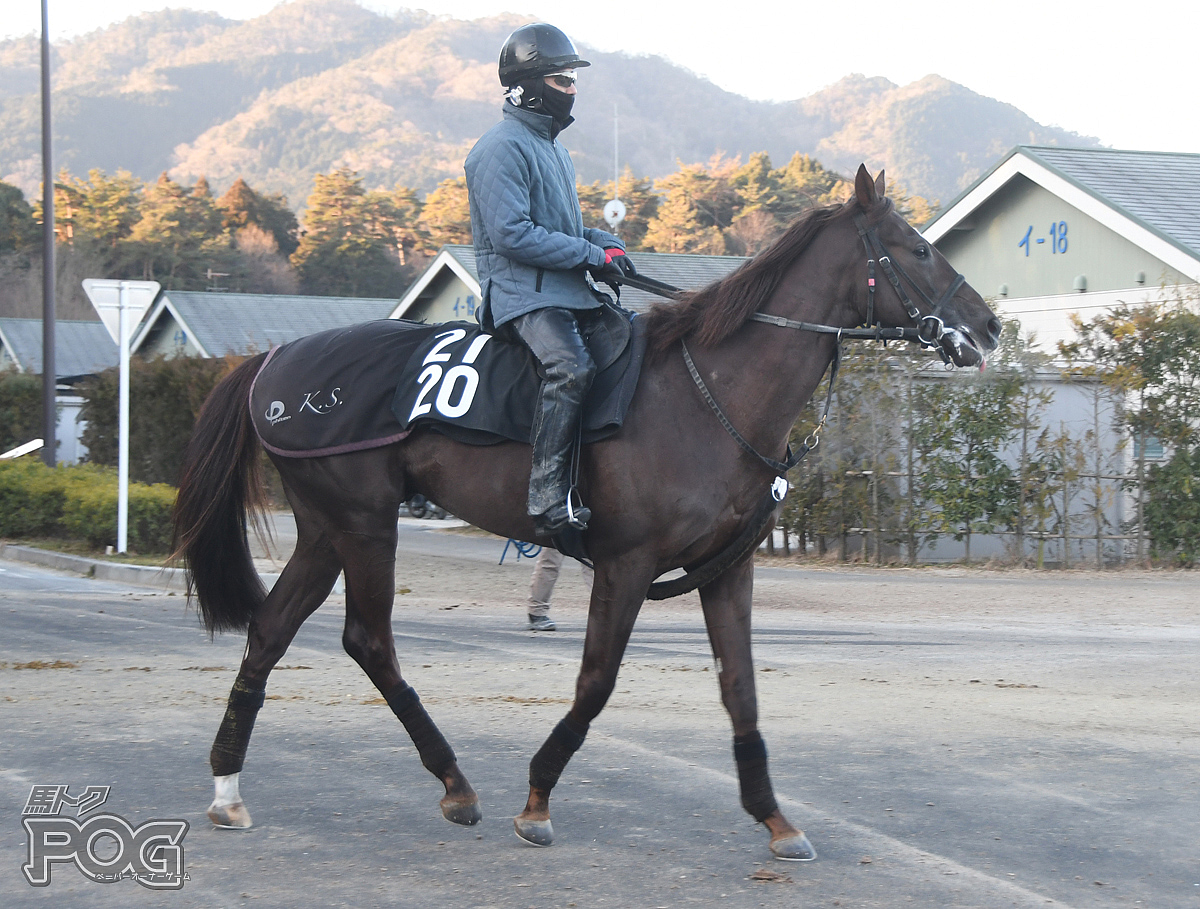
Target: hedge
[80,503]
[20,408]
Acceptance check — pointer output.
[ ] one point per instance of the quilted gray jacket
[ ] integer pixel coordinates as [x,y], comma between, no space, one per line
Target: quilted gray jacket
[531,248]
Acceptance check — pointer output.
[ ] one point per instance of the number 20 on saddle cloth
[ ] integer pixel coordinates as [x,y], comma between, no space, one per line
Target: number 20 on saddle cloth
[369,385]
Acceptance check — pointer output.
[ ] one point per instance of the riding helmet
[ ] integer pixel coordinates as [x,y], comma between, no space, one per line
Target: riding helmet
[536,50]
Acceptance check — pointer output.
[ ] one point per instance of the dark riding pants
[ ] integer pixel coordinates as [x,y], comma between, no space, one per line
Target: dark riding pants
[567,370]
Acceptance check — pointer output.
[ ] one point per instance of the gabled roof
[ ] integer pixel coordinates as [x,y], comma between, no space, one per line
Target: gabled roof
[1151,198]
[457,258]
[677,269]
[80,348]
[225,323]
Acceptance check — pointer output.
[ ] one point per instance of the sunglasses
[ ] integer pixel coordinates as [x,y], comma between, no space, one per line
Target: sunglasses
[562,80]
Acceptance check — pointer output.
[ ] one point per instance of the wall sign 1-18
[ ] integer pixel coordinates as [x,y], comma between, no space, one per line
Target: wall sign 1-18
[1057,239]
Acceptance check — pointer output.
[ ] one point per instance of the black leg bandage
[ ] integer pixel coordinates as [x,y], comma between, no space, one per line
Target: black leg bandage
[750,754]
[550,761]
[233,738]
[436,753]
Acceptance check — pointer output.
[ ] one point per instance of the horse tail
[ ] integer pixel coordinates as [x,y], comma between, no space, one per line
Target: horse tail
[220,485]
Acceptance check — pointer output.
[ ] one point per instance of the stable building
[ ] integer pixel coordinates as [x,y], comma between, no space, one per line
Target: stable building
[448,290]
[206,324]
[1050,232]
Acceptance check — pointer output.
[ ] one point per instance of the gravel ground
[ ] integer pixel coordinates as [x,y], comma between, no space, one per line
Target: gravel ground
[946,737]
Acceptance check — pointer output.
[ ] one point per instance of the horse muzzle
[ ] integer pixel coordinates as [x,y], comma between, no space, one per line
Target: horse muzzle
[961,348]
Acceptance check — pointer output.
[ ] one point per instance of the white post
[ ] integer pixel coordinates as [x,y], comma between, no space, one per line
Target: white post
[121,305]
[123,425]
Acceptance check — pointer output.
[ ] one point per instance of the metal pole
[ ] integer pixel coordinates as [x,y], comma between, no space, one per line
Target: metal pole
[123,425]
[49,367]
[616,158]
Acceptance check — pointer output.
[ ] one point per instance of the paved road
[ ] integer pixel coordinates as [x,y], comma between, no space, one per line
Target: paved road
[961,760]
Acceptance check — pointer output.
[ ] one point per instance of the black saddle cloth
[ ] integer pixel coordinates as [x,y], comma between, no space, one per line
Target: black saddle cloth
[371,384]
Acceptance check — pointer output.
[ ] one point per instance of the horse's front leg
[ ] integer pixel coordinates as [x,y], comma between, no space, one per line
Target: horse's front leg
[616,599]
[727,603]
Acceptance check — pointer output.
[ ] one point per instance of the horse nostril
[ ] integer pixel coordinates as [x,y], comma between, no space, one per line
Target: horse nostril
[994,328]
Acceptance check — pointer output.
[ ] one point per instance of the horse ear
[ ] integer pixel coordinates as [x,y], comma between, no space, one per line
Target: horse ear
[880,185]
[864,188]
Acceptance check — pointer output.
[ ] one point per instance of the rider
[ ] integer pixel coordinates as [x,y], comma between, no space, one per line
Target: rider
[533,253]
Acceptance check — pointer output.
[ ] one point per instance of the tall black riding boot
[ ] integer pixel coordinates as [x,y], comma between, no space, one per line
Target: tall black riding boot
[567,370]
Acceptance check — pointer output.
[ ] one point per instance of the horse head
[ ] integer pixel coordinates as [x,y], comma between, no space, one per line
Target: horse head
[948,312]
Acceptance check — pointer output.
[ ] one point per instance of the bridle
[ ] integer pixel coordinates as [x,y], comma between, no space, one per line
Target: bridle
[929,332]
[930,328]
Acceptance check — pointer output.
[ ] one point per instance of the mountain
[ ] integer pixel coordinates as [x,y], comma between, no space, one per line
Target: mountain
[318,84]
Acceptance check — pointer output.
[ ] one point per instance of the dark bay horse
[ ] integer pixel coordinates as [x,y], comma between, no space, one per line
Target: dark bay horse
[670,490]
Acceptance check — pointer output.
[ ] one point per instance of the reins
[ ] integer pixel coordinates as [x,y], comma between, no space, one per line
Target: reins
[928,332]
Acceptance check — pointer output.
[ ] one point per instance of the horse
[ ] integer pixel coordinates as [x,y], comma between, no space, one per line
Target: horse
[669,490]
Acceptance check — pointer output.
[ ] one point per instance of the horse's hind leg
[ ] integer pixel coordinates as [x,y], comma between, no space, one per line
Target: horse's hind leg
[302,587]
[726,603]
[370,563]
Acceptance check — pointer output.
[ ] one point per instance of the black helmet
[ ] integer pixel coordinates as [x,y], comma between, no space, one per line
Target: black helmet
[536,50]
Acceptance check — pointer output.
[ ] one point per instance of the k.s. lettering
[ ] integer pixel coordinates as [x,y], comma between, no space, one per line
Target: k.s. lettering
[320,402]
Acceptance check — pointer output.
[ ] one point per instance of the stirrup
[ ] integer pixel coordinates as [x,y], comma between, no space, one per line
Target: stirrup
[560,517]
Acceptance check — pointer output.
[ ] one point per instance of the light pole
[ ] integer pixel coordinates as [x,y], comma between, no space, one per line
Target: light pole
[49,368]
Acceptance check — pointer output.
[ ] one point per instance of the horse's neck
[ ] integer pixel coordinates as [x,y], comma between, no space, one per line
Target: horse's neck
[768,373]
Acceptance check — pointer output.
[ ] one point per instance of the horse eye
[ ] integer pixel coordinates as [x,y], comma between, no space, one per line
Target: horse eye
[921,252]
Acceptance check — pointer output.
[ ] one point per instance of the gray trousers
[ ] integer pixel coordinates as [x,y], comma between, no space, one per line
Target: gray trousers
[545,574]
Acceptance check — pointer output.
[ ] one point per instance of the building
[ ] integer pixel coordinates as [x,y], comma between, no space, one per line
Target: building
[1049,232]
[1053,233]
[204,324]
[448,290]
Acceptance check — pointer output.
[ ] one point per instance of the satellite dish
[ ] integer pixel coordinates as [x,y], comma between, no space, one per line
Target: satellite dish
[614,213]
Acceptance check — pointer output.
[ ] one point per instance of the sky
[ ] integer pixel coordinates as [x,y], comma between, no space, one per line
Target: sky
[1125,75]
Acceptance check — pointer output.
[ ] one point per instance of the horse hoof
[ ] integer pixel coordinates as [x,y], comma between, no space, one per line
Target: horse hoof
[535,833]
[229,817]
[462,811]
[793,849]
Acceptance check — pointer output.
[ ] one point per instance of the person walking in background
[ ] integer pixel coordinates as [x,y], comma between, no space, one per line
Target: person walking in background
[546,568]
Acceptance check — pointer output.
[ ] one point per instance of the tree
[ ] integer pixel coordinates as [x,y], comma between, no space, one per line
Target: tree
[1018,358]
[1150,356]
[348,245]
[178,238]
[446,214]
[242,207]
[641,205]
[697,204]
[968,423]
[18,230]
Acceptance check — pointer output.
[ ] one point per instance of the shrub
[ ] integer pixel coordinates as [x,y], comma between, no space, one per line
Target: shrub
[80,503]
[165,397]
[20,408]
[31,498]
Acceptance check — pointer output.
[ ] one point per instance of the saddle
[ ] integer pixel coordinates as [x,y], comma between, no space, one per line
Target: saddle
[372,384]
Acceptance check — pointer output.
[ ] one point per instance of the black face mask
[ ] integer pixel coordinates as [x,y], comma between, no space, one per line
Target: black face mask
[558,105]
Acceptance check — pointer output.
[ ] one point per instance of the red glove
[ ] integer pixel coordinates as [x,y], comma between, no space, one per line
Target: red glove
[614,255]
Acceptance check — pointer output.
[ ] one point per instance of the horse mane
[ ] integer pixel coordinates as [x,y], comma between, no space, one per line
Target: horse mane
[713,313]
